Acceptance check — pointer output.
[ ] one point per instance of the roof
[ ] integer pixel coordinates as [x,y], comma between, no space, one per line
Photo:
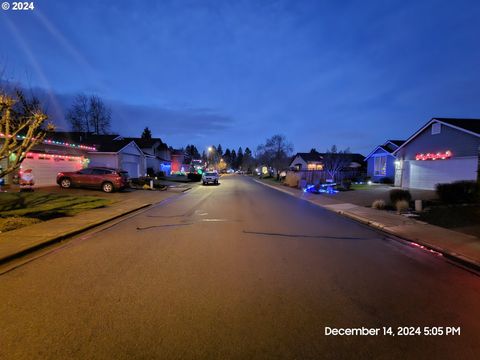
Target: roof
[113,146]
[469,126]
[143,143]
[396,142]
[79,137]
[388,146]
[309,157]
[472,125]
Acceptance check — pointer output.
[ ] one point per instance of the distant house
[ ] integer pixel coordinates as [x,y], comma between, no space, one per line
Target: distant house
[381,161]
[306,161]
[157,154]
[178,162]
[110,151]
[444,150]
[314,161]
[120,154]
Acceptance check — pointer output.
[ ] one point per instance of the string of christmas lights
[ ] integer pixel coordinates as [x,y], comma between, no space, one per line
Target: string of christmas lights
[60,143]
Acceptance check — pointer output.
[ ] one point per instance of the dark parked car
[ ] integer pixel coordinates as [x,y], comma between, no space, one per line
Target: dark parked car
[102,178]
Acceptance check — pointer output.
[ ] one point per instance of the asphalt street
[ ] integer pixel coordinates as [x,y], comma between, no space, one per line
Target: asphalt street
[236,271]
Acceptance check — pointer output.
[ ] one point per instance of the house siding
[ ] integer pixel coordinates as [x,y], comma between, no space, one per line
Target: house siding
[460,143]
[463,164]
[299,160]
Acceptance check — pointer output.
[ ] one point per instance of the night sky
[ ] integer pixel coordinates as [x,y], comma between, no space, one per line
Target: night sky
[353,73]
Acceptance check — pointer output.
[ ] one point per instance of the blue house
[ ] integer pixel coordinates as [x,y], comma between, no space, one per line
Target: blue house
[381,161]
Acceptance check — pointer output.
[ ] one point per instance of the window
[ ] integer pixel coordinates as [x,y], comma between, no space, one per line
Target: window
[100,172]
[380,166]
[436,128]
[85,172]
[315,166]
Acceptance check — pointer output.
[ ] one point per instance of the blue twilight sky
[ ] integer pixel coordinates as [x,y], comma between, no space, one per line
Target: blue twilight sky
[353,73]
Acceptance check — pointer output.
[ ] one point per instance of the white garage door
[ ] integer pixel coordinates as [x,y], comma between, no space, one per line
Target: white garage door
[132,168]
[45,170]
[426,174]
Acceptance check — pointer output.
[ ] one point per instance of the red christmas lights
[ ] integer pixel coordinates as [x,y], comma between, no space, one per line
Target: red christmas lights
[44,156]
[434,156]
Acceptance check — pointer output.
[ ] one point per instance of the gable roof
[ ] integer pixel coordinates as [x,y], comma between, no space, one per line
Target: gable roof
[389,151]
[80,137]
[388,146]
[142,143]
[469,126]
[115,146]
[472,125]
[308,157]
[395,142]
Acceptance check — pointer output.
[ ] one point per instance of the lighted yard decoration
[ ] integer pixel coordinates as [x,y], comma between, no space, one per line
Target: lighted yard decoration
[20,129]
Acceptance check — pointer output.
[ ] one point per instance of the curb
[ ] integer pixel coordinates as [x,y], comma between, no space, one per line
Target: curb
[65,235]
[465,261]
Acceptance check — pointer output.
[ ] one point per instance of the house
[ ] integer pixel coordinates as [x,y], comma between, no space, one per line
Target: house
[314,161]
[120,154]
[381,161]
[53,155]
[444,150]
[157,154]
[110,151]
[306,161]
[179,160]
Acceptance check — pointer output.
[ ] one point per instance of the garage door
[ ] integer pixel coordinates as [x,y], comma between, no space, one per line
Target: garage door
[426,174]
[45,170]
[132,168]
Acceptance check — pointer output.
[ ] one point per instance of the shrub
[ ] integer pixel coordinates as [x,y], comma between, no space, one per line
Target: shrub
[401,205]
[346,184]
[458,192]
[386,180]
[398,195]
[378,204]
[291,179]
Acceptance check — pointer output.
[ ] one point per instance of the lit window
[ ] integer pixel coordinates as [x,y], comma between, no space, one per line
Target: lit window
[314,166]
[380,166]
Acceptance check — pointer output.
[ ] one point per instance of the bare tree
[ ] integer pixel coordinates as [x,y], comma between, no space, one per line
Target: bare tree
[89,114]
[335,161]
[275,152]
[100,115]
[20,129]
[79,114]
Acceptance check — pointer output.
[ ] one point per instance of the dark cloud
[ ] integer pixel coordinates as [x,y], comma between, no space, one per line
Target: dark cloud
[173,124]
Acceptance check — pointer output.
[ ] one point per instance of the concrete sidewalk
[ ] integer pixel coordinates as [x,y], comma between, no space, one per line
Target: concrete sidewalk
[22,241]
[461,247]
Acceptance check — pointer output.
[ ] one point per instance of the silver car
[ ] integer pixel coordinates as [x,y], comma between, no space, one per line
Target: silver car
[210,177]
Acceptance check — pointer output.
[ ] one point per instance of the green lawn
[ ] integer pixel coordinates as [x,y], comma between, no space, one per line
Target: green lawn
[21,209]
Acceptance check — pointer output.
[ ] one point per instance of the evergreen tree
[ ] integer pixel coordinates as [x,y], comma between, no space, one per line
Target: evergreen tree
[233,157]
[247,160]
[220,150]
[228,157]
[239,158]
[146,134]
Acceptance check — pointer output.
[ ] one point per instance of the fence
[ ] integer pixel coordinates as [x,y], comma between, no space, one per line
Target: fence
[321,176]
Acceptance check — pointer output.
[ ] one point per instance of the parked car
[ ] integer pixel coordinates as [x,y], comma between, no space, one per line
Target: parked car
[210,177]
[98,177]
